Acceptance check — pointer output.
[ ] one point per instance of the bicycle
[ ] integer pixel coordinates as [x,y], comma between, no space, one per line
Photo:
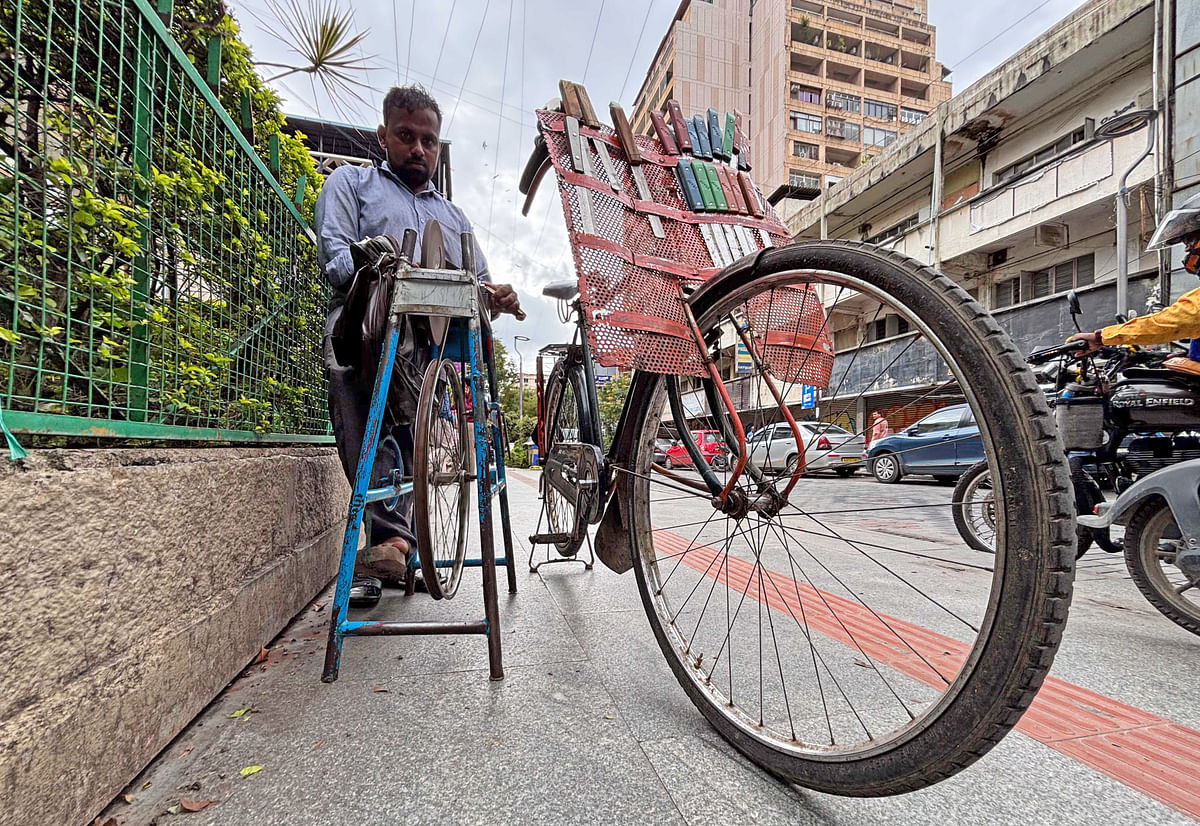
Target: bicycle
[785,618]
[448,427]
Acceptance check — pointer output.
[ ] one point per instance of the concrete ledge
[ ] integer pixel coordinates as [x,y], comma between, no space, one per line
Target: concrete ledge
[137,584]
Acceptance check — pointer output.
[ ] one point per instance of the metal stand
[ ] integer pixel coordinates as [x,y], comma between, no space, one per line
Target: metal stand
[419,291]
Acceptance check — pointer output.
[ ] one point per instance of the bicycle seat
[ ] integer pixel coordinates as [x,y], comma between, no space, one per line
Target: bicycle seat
[562,290]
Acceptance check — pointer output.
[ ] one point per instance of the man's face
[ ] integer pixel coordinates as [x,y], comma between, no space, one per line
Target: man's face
[410,139]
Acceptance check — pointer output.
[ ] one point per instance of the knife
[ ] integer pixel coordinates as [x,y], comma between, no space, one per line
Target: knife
[727,141]
[718,194]
[683,132]
[580,163]
[723,243]
[706,193]
[714,135]
[733,192]
[710,243]
[664,133]
[634,156]
[701,148]
[689,186]
[752,202]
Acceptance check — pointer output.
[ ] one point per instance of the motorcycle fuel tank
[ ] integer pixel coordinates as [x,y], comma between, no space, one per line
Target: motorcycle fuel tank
[1155,406]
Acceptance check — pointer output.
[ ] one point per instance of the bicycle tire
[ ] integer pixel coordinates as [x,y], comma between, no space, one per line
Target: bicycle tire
[441,465]
[1150,523]
[962,489]
[1026,603]
[565,395]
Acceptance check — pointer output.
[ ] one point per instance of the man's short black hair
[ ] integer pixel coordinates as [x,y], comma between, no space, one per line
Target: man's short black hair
[412,98]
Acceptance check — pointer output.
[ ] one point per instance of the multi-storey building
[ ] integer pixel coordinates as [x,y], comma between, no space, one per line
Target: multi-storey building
[1011,190]
[702,61]
[834,82]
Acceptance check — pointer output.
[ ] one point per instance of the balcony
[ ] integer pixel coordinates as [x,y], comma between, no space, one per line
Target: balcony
[880,82]
[806,64]
[881,27]
[836,156]
[851,46]
[842,73]
[912,89]
[842,129]
[881,54]
[804,94]
[841,102]
[916,36]
[914,62]
[809,36]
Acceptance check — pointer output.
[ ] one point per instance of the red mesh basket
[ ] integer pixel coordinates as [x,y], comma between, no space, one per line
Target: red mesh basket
[631,282]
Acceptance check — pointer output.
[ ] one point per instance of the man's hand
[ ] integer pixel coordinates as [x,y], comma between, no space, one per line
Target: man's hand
[504,300]
[1091,339]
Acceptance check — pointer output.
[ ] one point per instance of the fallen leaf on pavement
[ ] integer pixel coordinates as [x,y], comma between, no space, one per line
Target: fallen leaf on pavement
[317,745]
[262,656]
[380,690]
[249,770]
[146,785]
[186,751]
[196,805]
[128,798]
[239,713]
[112,821]
[174,810]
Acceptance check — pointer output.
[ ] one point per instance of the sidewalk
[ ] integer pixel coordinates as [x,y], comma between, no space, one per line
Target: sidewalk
[588,727]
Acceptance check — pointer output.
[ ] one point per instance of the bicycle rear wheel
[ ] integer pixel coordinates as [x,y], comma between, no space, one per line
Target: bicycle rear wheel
[841,635]
[569,421]
[440,487]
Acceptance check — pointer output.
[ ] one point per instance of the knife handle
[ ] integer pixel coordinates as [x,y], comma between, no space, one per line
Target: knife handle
[703,149]
[680,125]
[664,134]
[752,203]
[706,193]
[715,182]
[714,134]
[587,112]
[570,99]
[727,138]
[688,185]
[624,134]
[731,190]
[694,139]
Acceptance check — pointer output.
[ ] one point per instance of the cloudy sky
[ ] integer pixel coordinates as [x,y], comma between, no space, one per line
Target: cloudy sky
[488,91]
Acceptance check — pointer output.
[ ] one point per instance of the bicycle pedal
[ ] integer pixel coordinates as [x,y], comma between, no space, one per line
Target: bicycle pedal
[549,538]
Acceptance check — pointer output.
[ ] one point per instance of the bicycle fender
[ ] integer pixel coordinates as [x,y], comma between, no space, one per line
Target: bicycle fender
[1176,484]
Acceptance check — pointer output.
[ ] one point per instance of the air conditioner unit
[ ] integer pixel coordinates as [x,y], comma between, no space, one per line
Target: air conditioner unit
[1053,236]
[834,104]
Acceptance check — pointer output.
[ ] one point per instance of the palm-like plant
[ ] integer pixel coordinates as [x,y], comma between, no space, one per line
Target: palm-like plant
[324,37]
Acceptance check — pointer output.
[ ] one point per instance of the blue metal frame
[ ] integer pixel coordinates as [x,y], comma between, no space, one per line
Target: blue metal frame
[491,481]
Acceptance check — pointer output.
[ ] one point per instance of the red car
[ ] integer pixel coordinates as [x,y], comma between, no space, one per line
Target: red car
[711,448]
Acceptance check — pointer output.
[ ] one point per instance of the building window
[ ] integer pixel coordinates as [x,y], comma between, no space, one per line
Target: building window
[1044,155]
[878,137]
[838,128]
[1006,293]
[840,100]
[805,94]
[800,149]
[1069,275]
[878,109]
[895,231]
[802,180]
[832,180]
[806,123]
[912,116]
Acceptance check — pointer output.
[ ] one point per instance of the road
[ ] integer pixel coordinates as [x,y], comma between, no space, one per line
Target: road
[590,726]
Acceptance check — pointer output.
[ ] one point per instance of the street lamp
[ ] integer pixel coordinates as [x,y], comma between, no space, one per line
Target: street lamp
[520,377]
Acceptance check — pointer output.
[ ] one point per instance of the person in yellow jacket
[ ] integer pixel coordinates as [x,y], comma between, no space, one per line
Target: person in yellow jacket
[1181,320]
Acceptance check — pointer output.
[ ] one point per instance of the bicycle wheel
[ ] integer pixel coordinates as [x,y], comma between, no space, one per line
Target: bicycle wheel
[1151,541]
[569,421]
[845,641]
[440,486]
[974,508]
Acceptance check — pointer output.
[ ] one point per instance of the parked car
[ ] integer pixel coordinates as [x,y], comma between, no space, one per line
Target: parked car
[827,447]
[711,448]
[661,446]
[943,445]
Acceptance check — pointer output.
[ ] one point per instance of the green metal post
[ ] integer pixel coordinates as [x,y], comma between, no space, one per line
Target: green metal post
[139,363]
[214,64]
[273,144]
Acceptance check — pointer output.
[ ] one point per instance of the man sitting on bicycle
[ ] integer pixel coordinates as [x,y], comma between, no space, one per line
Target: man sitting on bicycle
[364,202]
[1182,319]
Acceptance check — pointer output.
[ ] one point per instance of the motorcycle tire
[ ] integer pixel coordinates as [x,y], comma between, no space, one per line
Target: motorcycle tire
[1149,525]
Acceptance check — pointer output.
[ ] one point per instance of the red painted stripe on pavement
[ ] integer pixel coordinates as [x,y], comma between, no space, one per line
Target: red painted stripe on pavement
[1134,747]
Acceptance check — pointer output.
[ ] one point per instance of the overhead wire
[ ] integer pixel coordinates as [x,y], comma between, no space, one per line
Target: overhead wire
[500,123]
[636,46]
[592,48]
[470,63]
[445,34]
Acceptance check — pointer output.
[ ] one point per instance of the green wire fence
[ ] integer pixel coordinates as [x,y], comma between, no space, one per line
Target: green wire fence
[156,281]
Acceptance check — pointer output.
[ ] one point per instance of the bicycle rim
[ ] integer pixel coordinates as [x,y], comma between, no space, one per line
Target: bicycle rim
[826,641]
[440,488]
[567,423]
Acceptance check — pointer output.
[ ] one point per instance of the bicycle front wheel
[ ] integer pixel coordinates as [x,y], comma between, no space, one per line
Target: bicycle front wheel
[440,484]
[838,632]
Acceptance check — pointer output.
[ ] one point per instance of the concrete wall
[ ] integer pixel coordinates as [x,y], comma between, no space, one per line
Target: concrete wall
[136,584]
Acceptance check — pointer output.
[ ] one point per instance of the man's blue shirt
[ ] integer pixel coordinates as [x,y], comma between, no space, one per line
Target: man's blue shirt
[358,202]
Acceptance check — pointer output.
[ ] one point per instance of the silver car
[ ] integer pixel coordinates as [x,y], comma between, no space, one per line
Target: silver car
[827,447]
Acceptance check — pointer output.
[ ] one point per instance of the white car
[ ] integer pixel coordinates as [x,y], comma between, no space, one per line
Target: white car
[827,447]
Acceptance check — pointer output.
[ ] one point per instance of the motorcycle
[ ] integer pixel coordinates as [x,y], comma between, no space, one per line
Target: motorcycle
[1161,515]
